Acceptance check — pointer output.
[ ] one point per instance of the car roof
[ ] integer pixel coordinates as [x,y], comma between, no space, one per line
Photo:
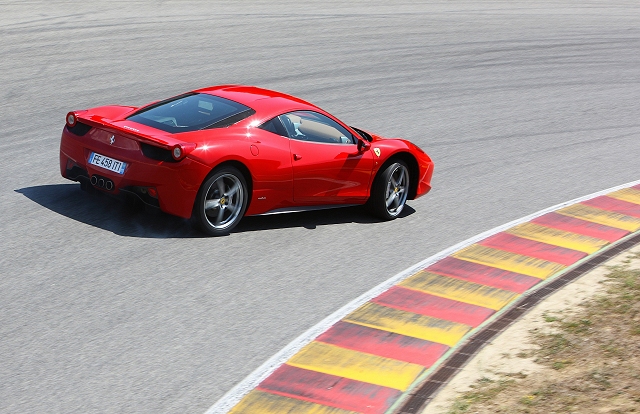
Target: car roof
[264,101]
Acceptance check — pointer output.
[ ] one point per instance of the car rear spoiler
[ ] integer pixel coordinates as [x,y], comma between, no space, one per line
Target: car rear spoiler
[102,123]
[179,148]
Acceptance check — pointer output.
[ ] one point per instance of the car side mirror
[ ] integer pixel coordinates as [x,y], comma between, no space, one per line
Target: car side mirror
[363,145]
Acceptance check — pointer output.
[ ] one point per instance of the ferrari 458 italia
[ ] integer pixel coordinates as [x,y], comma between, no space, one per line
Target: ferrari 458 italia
[220,153]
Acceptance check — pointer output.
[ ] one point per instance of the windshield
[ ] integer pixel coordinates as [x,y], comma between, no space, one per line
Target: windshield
[192,112]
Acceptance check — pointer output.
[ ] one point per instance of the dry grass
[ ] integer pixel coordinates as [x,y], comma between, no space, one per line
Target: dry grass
[591,359]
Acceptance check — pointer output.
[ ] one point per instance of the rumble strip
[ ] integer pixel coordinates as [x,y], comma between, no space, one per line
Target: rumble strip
[372,355]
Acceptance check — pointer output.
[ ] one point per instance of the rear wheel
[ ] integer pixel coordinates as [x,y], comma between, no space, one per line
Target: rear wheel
[221,201]
[389,191]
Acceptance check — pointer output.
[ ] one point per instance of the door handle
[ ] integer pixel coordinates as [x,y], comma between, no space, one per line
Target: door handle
[297,157]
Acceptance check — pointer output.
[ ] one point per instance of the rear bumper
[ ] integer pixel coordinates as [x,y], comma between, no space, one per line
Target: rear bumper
[177,183]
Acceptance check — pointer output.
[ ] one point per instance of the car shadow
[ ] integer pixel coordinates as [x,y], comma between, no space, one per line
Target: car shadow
[111,214]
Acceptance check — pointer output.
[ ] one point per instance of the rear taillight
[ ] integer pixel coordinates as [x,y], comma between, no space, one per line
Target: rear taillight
[179,151]
[71,119]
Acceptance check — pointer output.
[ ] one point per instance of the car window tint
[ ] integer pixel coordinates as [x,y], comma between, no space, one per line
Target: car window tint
[191,112]
[315,127]
[275,126]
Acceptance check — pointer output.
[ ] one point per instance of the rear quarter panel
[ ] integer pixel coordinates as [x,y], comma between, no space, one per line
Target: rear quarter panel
[265,155]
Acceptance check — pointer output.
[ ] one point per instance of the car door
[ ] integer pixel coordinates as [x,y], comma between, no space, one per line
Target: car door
[327,166]
[270,163]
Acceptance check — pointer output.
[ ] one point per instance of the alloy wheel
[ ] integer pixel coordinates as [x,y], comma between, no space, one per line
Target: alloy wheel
[223,201]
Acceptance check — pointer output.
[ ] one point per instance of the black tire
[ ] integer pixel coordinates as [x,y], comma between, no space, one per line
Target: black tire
[389,191]
[221,201]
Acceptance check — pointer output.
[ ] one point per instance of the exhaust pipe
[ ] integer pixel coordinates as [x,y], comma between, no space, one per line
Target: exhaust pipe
[102,182]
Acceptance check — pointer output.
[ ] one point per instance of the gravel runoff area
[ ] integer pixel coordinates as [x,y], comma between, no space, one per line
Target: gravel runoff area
[574,352]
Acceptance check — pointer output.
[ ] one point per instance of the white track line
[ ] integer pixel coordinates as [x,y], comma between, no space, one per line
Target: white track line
[233,397]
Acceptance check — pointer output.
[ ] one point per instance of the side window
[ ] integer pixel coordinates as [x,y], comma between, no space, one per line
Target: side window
[315,127]
[275,126]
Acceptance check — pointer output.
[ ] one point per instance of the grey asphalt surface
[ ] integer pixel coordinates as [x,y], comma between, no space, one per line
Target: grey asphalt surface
[521,104]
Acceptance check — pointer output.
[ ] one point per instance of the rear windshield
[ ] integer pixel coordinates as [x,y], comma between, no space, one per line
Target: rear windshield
[192,112]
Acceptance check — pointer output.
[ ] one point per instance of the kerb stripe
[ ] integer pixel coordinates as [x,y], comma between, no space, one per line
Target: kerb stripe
[408,323]
[631,195]
[600,216]
[341,362]
[509,261]
[383,343]
[526,247]
[483,275]
[568,240]
[459,290]
[615,205]
[325,389]
[258,402]
[434,306]
[578,226]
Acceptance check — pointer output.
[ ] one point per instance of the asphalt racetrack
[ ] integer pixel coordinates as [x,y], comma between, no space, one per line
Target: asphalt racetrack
[521,104]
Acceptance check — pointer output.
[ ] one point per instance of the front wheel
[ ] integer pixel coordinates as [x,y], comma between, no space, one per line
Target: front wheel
[221,201]
[389,191]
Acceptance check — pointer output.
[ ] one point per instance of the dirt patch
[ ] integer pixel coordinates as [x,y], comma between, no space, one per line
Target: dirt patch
[575,352]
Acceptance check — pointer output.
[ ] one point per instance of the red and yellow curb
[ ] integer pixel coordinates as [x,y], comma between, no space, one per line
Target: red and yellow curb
[370,358]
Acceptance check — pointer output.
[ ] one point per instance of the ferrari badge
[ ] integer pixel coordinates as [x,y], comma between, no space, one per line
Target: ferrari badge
[377,151]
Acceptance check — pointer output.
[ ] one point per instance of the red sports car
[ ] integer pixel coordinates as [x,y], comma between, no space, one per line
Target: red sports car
[220,153]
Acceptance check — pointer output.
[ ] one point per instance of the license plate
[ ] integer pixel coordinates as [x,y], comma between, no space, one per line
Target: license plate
[107,163]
